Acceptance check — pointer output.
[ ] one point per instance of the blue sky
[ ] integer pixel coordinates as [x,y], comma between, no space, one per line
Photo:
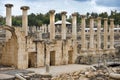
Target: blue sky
[43,6]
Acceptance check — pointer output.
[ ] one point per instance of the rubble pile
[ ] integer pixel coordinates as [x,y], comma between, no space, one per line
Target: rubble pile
[89,74]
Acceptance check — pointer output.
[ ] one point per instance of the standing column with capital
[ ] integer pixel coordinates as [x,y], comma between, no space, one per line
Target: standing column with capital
[83,36]
[91,34]
[8,19]
[63,25]
[52,24]
[25,19]
[111,33]
[98,33]
[74,26]
[8,14]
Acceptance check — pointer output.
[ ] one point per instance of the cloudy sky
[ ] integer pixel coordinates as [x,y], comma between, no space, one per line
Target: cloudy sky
[43,6]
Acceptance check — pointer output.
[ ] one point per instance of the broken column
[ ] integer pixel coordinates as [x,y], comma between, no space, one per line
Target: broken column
[111,33]
[63,25]
[8,19]
[74,26]
[52,24]
[105,33]
[99,33]
[91,48]
[25,19]
[83,36]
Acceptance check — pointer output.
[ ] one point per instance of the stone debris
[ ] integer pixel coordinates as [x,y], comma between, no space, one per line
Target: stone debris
[100,74]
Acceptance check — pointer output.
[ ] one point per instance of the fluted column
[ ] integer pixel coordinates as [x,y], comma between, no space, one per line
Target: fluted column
[83,36]
[105,33]
[74,26]
[111,33]
[52,25]
[91,33]
[99,33]
[25,19]
[64,25]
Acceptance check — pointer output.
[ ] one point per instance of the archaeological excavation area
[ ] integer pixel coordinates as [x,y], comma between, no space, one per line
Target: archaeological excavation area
[61,43]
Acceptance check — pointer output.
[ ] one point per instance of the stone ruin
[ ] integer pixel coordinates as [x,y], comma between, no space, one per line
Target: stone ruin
[21,49]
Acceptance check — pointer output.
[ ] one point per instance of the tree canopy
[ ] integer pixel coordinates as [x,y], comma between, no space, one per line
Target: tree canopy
[39,18]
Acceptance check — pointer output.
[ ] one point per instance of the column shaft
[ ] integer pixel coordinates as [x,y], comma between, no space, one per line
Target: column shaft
[74,26]
[91,33]
[99,33]
[8,19]
[111,33]
[52,24]
[64,25]
[25,19]
[83,36]
[105,33]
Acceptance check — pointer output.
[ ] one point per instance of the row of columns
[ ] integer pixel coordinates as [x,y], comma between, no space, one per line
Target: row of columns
[83,35]
[24,17]
[63,29]
[74,27]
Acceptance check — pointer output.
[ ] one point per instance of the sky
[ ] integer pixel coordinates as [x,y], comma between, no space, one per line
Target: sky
[71,6]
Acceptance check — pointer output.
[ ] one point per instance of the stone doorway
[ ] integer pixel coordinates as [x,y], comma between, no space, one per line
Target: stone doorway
[52,58]
[70,57]
[32,58]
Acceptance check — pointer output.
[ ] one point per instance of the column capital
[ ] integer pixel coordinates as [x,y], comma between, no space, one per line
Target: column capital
[64,12]
[9,5]
[52,11]
[99,18]
[111,19]
[25,8]
[105,19]
[74,14]
[91,17]
[83,16]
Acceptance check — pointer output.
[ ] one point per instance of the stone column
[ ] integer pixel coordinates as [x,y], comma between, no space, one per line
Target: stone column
[8,14]
[91,33]
[74,26]
[8,19]
[99,33]
[25,19]
[111,33]
[52,24]
[105,33]
[63,25]
[83,36]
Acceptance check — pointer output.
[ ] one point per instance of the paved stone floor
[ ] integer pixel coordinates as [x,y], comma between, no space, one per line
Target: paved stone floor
[6,76]
[56,70]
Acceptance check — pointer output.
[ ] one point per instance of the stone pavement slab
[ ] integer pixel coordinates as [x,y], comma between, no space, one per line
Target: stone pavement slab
[6,77]
[56,70]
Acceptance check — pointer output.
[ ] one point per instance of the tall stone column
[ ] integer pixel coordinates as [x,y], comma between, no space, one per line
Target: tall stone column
[74,26]
[25,19]
[8,14]
[99,33]
[8,19]
[63,25]
[105,33]
[83,36]
[52,24]
[111,33]
[91,34]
